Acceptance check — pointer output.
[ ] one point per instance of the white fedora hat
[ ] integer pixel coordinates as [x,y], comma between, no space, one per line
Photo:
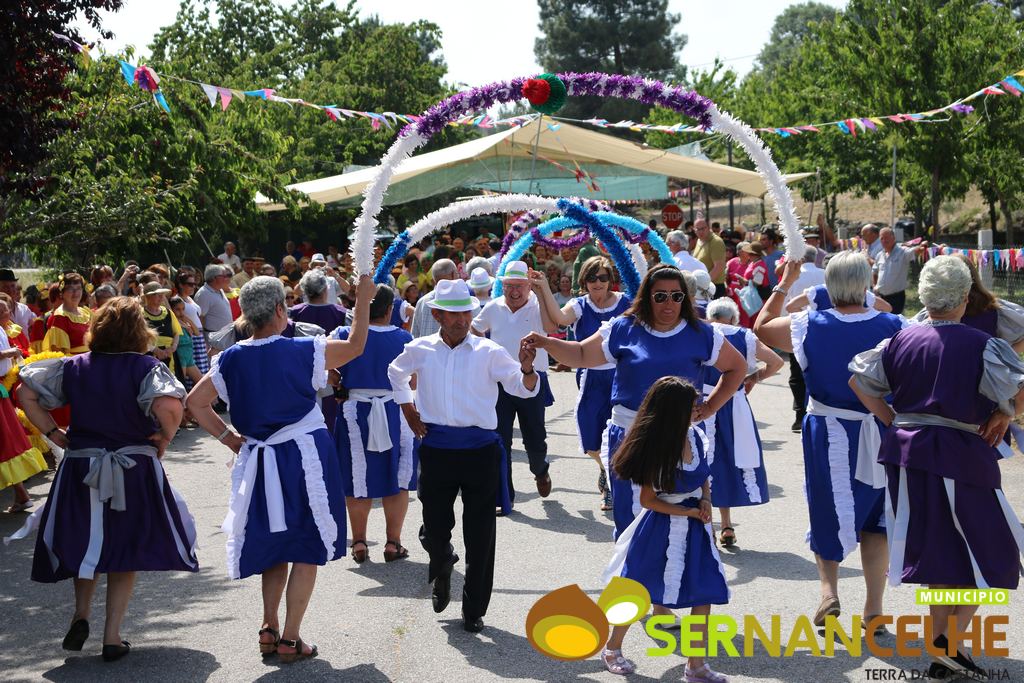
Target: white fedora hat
[516,270]
[453,296]
[480,278]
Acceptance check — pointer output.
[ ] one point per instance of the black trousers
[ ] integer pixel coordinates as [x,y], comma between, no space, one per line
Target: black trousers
[897,300]
[530,412]
[474,473]
[721,290]
[797,386]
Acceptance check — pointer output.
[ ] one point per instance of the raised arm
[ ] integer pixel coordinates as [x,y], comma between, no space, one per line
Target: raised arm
[340,352]
[586,354]
[560,317]
[769,327]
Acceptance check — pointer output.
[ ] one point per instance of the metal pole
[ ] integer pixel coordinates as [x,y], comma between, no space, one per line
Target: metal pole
[732,213]
[892,212]
[536,143]
[814,197]
[689,191]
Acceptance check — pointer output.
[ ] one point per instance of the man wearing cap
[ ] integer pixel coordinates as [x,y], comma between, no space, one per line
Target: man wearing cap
[508,318]
[457,376]
[22,315]
[248,272]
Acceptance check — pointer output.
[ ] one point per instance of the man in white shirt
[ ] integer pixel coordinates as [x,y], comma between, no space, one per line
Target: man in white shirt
[810,275]
[508,318]
[230,259]
[872,245]
[457,376]
[214,309]
[891,268]
[22,315]
[677,242]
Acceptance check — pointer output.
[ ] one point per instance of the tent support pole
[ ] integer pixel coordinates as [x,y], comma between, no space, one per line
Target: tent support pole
[536,144]
[732,195]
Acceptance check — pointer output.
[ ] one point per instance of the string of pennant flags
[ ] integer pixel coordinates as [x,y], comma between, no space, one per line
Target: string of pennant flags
[147,79]
[1010,260]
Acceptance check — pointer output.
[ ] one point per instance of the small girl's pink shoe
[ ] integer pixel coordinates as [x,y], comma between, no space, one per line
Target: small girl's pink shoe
[704,675]
[616,663]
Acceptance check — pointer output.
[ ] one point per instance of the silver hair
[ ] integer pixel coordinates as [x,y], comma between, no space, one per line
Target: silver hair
[313,283]
[691,283]
[723,310]
[810,254]
[944,284]
[105,289]
[260,298]
[678,237]
[480,262]
[847,278]
[705,289]
[442,269]
[212,272]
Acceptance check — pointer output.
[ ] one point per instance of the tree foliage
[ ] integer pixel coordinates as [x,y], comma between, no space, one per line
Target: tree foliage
[136,178]
[611,36]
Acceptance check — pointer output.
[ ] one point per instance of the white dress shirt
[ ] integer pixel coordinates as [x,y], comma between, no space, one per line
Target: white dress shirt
[810,275]
[892,269]
[508,328]
[456,387]
[686,261]
[22,316]
[233,261]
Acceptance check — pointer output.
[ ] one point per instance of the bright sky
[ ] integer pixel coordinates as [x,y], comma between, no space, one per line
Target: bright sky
[495,42]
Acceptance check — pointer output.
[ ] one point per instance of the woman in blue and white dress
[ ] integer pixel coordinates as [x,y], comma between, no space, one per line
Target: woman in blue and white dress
[669,548]
[585,314]
[737,461]
[844,482]
[377,449]
[658,336]
[286,477]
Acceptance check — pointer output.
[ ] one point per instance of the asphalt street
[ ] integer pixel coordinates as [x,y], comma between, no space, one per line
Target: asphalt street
[374,622]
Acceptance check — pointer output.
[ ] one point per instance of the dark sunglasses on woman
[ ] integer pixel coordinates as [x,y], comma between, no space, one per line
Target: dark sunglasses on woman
[662,297]
[597,278]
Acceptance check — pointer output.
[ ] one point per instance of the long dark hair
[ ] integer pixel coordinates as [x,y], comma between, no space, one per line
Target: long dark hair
[642,309]
[979,299]
[654,445]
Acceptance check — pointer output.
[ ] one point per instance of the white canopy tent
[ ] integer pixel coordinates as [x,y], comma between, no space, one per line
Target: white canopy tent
[508,156]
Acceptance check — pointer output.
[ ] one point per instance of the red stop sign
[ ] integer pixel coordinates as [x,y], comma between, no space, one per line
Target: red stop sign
[672,216]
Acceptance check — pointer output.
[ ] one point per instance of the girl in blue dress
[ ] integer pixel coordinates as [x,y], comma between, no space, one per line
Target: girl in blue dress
[585,314]
[377,450]
[658,336]
[841,439]
[287,501]
[737,461]
[669,548]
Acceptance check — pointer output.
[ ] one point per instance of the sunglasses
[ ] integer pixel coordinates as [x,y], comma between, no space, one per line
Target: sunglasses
[662,297]
[597,278]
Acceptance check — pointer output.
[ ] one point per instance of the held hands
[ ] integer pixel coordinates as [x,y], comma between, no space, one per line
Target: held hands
[538,281]
[60,438]
[534,340]
[527,353]
[412,417]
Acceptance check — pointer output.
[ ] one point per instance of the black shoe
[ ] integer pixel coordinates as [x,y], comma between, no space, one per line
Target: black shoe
[76,636]
[473,625]
[959,662]
[112,653]
[798,424]
[442,593]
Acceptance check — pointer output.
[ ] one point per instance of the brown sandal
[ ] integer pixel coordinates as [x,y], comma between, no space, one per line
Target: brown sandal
[298,646]
[399,553]
[360,555]
[267,649]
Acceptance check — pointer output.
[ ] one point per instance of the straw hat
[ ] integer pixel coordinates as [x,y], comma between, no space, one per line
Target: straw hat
[151,288]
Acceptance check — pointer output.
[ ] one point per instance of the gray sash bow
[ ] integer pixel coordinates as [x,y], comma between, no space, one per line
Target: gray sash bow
[106,472]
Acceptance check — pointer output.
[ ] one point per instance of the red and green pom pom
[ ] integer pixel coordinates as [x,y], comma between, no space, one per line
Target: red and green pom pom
[546,93]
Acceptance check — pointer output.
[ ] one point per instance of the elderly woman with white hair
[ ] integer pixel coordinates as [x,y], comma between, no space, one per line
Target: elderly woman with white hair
[287,502]
[840,438]
[737,463]
[316,309]
[949,523]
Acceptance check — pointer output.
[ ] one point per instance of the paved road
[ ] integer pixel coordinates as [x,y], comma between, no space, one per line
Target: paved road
[374,622]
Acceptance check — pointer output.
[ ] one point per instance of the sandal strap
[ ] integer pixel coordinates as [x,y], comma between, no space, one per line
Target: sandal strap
[358,542]
[272,631]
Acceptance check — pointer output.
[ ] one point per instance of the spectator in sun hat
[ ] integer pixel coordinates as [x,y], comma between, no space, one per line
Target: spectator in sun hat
[508,318]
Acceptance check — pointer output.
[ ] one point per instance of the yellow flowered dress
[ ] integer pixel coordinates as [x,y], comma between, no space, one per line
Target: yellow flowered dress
[18,459]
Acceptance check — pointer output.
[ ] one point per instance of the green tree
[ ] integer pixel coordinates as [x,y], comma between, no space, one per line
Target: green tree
[611,36]
[793,25]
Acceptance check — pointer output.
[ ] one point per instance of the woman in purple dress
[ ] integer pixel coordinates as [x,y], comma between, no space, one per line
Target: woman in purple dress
[949,523]
[844,484]
[126,407]
[287,502]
